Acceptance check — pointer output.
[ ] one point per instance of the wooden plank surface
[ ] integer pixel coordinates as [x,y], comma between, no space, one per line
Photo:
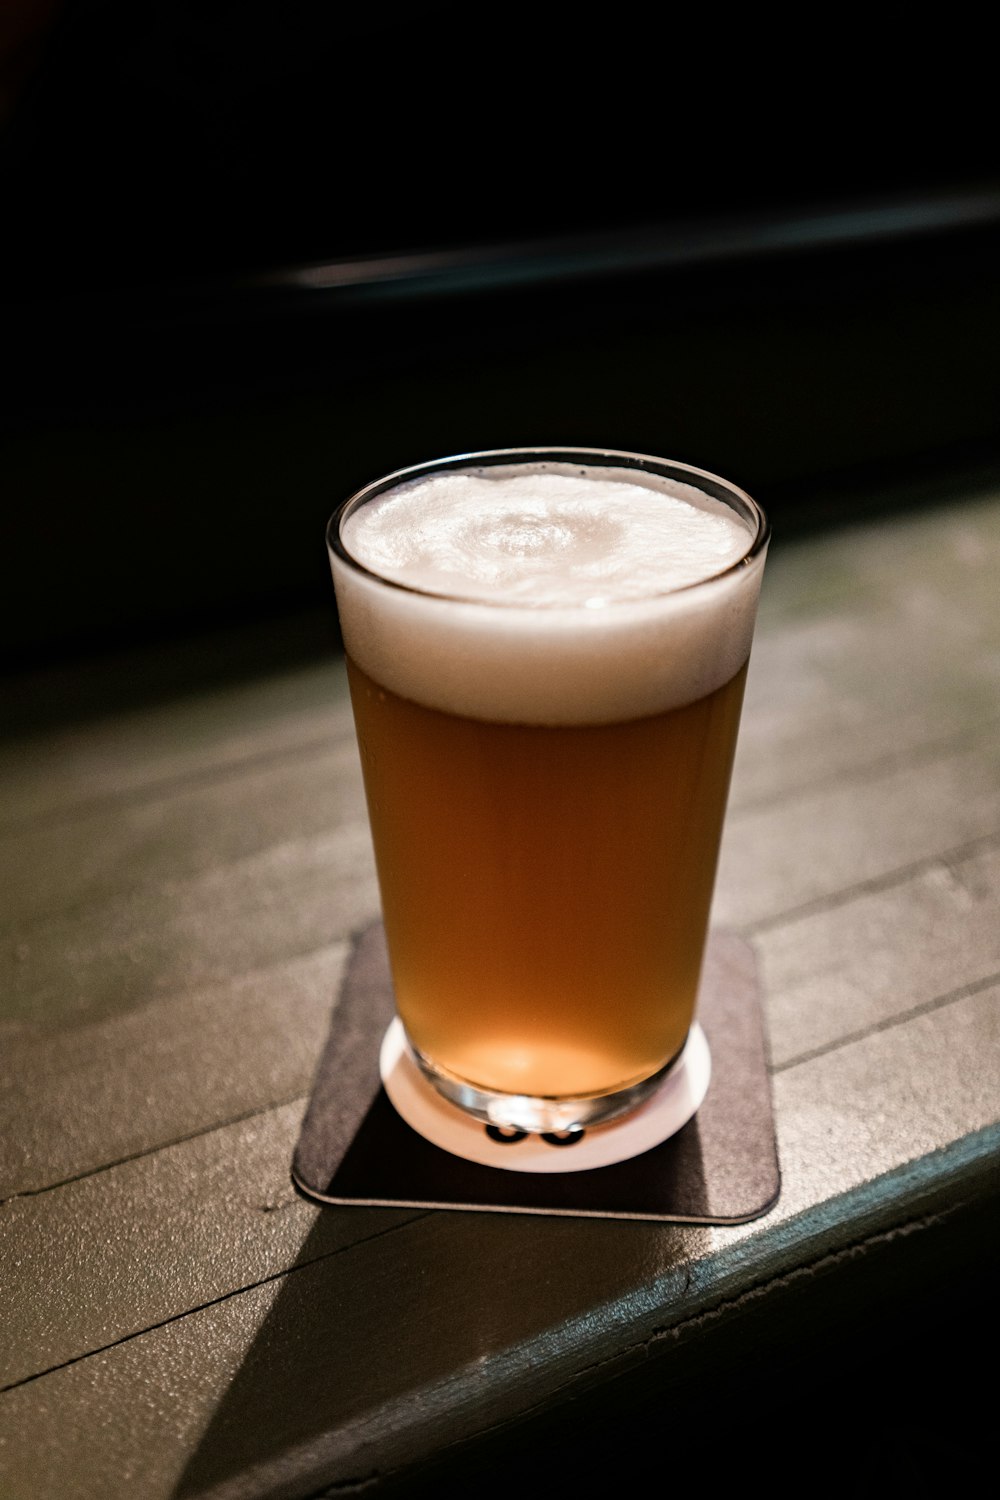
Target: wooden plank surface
[181,877]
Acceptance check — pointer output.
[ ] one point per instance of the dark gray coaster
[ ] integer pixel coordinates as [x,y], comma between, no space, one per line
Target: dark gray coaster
[720,1168]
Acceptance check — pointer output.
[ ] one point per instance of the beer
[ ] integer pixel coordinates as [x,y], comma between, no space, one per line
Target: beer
[545,890]
[547,660]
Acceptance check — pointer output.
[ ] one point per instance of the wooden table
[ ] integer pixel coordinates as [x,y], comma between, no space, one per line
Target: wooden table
[183,862]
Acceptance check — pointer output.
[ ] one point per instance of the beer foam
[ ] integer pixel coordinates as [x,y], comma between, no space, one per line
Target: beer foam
[547,538]
[548,592]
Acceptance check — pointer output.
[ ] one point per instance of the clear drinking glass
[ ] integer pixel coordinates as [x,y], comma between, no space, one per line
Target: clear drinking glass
[546,777]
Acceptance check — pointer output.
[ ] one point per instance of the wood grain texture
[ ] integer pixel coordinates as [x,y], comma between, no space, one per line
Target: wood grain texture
[180,880]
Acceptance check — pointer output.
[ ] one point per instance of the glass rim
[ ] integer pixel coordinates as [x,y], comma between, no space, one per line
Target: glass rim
[712,484]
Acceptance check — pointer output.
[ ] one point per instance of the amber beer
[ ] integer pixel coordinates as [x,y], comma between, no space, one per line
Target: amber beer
[546,771]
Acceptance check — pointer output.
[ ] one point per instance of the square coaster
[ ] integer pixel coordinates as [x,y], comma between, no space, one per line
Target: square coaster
[719,1168]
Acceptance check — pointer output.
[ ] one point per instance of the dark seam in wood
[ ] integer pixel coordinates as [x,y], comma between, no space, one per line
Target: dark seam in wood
[974,987]
[213,1302]
[868,771]
[157,790]
[955,855]
[200,986]
[121,1161]
[123,894]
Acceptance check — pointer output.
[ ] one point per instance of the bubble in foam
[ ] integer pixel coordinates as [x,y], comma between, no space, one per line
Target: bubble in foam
[543,537]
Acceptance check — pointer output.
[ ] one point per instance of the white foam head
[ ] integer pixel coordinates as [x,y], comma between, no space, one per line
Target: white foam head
[548,591]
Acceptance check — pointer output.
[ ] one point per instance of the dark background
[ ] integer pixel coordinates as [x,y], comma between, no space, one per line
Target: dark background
[764,243]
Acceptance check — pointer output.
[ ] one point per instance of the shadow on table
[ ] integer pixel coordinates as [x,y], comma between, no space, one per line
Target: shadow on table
[366,1355]
[365,1369]
[379,1356]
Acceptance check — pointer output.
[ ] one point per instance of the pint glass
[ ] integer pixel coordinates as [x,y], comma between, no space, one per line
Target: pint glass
[546,738]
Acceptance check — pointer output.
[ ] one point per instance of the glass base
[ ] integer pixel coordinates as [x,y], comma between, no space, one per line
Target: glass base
[522,1112]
